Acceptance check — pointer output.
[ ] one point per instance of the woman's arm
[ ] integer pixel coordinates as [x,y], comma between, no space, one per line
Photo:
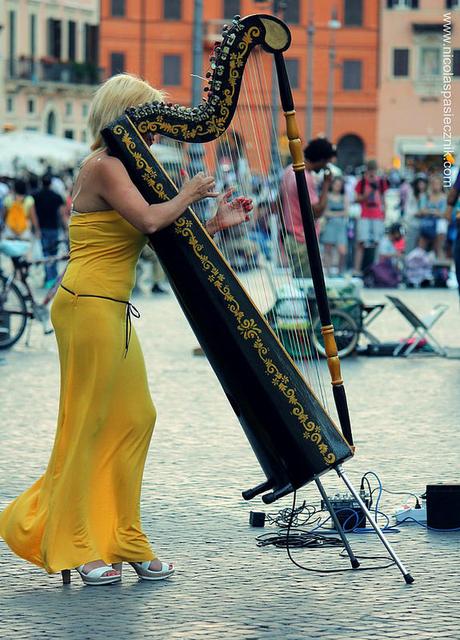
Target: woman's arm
[115,186]
[229,213]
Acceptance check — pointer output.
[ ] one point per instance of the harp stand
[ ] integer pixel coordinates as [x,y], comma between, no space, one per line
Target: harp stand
[338,527]
[407,576]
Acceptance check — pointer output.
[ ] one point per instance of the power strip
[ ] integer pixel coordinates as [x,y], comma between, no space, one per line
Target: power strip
[419,515]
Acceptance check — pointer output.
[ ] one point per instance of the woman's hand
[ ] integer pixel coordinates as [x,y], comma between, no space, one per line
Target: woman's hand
[229,212]
[198,187]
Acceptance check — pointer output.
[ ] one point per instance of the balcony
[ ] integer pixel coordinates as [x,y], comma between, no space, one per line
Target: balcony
[51,70]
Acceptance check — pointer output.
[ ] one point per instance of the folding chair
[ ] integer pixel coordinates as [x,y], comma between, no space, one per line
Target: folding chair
[421,327]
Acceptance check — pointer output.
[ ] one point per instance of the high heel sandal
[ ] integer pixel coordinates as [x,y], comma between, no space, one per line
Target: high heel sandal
[143,571]
[94,577]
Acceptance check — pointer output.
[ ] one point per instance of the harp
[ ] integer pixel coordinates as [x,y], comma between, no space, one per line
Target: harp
[293,436]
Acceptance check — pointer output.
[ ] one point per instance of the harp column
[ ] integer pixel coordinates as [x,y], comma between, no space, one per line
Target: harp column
[314,258]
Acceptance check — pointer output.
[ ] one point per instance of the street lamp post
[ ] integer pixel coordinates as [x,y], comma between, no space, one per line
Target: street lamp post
[309,96]
[333,25]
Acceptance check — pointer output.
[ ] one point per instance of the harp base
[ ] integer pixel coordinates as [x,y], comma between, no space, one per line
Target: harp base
[268,498]
[249,494]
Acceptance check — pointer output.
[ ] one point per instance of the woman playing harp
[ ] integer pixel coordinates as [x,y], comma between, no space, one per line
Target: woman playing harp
[84,512]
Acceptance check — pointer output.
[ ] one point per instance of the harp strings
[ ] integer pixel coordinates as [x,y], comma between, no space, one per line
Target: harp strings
[268,276]
[293,257]
[305,331]
[262,276]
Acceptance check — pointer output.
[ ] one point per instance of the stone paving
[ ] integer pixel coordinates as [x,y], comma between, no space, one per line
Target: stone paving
[405,419]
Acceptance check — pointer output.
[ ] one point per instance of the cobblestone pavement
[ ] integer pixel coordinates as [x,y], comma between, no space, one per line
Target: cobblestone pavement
[405,418]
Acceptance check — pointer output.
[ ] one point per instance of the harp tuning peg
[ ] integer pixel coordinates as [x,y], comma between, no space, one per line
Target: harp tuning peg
[209,74]
[206,89]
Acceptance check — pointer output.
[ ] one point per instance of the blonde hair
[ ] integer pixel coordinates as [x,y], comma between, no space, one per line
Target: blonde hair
[111,99]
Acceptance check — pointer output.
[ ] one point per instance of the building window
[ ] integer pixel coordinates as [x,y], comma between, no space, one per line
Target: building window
[92,44]
[452,4]
[430,62]
[117,63]
[54,38]
[72,51]
[9,104]
[172,71]
[68,108]
[456,63]
[84,109]
[231,8]
[12,43]
[402,4]
[172,9]
[401,63]
[292,12]
[292,67]
[353,13]
[68,133]
[30,105]
[352,72]
[117,8]
[33,35]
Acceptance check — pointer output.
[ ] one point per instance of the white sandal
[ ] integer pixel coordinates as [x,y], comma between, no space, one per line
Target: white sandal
[143,571]
[94,577]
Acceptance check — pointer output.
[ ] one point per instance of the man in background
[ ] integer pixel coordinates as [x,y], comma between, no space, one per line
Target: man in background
[317,154]
[50,210]
[370,193]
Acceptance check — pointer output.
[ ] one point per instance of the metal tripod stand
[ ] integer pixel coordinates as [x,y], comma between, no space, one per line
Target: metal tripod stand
[353,560]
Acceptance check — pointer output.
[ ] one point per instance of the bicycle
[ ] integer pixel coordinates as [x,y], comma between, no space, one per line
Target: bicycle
[298,324]
[18,304]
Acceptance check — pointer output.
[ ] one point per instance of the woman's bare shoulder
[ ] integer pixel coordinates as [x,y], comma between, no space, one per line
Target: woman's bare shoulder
[109,167]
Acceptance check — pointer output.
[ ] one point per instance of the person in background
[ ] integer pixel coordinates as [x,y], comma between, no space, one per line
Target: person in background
[416,203]
[370,193]
[453,210]
[334,233]
[386,271]
[317,154]
[4,191]
[433,225]
[51,214]
[19,214]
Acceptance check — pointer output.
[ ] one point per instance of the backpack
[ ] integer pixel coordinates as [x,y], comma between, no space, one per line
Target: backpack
[16,217]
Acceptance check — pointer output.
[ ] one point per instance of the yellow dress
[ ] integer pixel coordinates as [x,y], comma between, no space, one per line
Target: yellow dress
[87,504]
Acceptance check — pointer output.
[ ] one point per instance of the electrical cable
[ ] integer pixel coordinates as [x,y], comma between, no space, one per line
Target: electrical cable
[313,570]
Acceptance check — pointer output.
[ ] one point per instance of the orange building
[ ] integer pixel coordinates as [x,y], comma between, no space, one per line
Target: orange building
[154,39]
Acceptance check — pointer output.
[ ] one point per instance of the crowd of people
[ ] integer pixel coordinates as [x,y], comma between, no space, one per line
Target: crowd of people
[37,210]
[357,236]
[360,233]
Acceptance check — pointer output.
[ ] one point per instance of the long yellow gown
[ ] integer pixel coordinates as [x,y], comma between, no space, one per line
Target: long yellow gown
[87,504]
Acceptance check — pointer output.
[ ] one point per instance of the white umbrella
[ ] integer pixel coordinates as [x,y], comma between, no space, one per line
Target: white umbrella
[33,151]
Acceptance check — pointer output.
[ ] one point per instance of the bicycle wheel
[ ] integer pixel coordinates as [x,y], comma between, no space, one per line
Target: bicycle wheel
[13,313]
[345,330]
